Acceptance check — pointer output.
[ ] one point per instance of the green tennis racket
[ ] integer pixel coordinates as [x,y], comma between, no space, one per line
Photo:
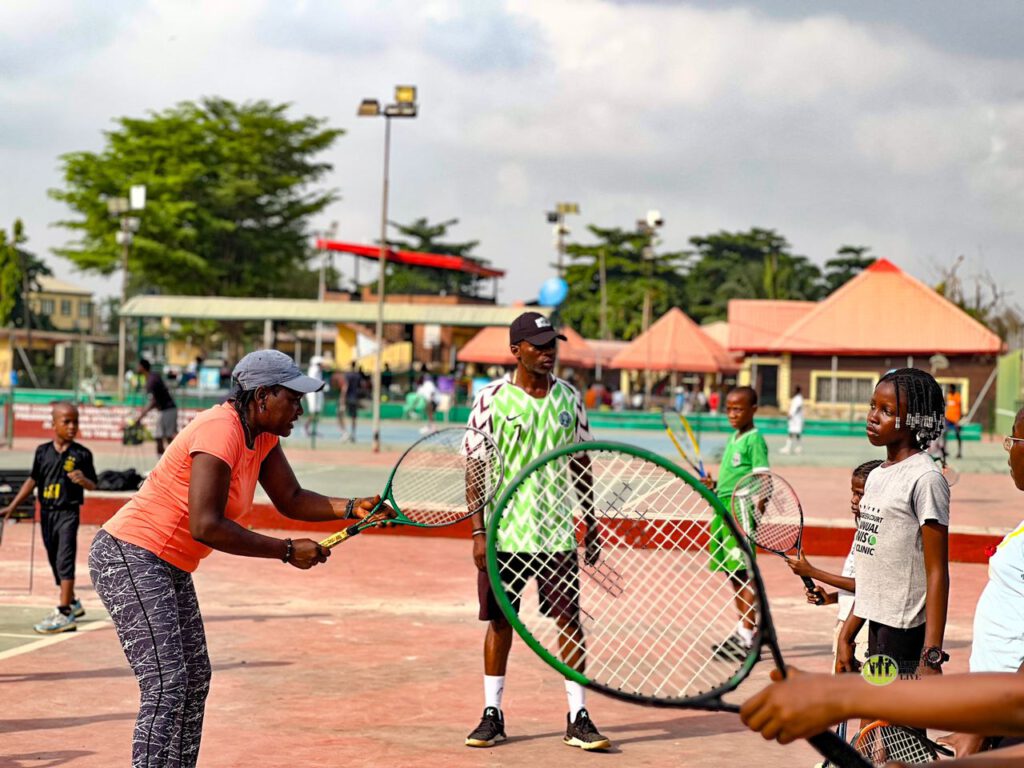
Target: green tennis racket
[667,638]
[439,480]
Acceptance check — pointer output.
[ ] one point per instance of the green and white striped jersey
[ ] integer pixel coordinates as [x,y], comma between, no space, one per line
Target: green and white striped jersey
[524,427]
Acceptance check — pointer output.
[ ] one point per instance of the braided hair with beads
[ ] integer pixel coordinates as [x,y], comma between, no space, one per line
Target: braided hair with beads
[926,407]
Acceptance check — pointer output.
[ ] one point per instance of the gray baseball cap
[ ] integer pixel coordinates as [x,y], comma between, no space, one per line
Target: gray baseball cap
[268,368]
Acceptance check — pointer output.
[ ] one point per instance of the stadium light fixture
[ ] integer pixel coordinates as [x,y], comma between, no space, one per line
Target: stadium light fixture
[405,106]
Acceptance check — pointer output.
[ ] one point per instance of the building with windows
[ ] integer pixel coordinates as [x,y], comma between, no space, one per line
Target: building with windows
[68,307]
[836,350]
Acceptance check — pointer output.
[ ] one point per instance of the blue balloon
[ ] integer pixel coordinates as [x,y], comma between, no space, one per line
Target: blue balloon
[553,292]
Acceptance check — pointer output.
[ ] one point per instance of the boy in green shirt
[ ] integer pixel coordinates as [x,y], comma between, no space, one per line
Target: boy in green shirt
[745,452]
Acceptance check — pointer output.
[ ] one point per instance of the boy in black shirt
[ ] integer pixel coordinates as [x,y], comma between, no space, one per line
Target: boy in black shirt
[61,470]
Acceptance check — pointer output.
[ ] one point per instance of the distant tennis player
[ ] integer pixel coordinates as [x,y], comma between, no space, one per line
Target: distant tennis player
[528,413]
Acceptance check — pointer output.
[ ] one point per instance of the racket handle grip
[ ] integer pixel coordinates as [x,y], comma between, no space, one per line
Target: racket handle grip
[809,583]
[336,538]
[838,752]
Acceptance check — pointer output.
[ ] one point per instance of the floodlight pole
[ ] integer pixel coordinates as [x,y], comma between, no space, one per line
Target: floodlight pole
[122,323]
[404,106]
[380,286]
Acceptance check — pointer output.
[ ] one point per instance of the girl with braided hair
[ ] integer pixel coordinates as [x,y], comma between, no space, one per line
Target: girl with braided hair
[901,548]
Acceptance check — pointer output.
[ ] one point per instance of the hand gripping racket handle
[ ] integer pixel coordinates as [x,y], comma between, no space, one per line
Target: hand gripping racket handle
[837,751]
[809,583]
[336,538]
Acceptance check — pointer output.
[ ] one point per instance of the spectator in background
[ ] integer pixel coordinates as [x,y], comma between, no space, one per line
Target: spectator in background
[386,378]
[714,400]
[796,423]
[161,401]
[953,415]
[618,400]
[314,400]
[431,397]
[352,385]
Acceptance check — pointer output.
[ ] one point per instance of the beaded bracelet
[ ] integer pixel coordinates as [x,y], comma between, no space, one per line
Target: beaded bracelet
[289,551]
[348,508]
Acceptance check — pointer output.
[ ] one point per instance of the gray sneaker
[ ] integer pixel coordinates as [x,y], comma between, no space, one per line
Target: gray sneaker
[56,622]
[76,608]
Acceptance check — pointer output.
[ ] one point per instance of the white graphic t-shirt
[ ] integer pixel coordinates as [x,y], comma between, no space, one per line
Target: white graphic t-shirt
[889,554]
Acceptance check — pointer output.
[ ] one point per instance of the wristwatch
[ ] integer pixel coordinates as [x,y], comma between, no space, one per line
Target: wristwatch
[934,657]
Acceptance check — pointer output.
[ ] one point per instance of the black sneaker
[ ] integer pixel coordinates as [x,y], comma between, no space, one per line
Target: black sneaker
[733,647]
[582,733]
[490,731]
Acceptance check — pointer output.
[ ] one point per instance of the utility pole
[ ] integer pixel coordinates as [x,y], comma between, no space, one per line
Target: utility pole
[557,217]
[648,227]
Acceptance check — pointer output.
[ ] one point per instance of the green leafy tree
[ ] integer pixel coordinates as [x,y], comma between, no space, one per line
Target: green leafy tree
[230,194]
[628,276]
[757,264]
[423,237]
[19,270]
[850,261]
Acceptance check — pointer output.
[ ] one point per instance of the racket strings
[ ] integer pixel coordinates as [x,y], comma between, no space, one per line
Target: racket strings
[768,512]
[662,631]
[446,476]
[882,744]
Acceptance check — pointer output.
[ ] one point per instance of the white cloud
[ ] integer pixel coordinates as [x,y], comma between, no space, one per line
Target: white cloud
[830,128]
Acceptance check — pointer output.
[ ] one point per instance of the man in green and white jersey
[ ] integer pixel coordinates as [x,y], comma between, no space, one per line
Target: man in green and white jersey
[528,413]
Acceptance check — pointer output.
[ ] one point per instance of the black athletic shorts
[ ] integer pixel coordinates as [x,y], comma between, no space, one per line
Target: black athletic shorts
[60,537]
[558,583]
[352,408]
[902,645]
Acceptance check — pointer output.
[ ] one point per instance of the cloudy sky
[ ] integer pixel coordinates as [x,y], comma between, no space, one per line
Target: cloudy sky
[894,125]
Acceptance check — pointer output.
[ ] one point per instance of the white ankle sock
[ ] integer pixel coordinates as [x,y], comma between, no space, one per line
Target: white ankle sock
[577,696]
[746,633]
[494,687]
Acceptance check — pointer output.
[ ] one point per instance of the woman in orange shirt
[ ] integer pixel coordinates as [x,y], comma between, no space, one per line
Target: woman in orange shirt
[142,559]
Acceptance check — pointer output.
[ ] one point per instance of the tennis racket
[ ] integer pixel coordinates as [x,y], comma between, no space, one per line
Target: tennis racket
[840,733]
[439,480]
[667,639]
[881,743]
[768,512]
[680,433]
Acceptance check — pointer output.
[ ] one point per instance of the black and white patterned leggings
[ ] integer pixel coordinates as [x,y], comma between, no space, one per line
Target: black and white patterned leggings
[154,609]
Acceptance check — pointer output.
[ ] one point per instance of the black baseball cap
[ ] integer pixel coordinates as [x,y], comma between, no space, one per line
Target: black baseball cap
[534,328]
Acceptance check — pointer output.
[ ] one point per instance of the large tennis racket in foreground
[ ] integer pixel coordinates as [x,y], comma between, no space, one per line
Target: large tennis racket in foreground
[881,743]
[769,514]
[439,480]
[664,639]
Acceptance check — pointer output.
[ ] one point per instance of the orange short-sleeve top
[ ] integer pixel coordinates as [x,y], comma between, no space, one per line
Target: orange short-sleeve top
[157,519]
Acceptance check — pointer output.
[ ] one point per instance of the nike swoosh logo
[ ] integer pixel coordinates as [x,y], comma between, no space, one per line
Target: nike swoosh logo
[512,418]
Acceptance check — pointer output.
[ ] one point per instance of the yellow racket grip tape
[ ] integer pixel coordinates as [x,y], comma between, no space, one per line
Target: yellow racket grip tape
[336,538]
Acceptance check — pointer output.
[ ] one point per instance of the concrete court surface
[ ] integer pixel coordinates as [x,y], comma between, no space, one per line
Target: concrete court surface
[371,660]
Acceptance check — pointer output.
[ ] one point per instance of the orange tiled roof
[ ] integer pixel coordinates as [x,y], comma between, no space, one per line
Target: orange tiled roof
[755,324]
[675,343]
[881,311]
